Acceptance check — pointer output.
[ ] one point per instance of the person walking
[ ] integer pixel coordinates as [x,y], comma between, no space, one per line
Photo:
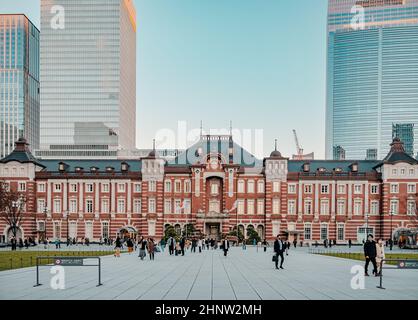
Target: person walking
[380,255]
[200,245]
[295,242]
[287,246]
[194,245]
[118,245]
[171,245]
[57,243]
[182,245]
[142,248]
[13,242]
[26,243]
[162,244]
[244,244]
[370,255]
[130,245]
[207,244]
[278,249]
[151,248]
[225,246]
[265,244]
[349,243]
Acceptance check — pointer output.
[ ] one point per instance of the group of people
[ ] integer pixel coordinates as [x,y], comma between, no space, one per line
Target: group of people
[15,243]
[374,252]
[144,244]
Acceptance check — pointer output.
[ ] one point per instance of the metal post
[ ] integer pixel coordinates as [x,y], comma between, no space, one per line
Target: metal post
[380,286]
[37,273]
[100,269]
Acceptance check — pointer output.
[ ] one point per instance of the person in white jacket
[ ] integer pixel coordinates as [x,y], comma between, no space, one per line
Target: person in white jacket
[380,255]
[199,244]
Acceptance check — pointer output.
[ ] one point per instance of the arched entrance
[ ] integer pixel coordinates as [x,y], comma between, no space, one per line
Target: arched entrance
[128,232]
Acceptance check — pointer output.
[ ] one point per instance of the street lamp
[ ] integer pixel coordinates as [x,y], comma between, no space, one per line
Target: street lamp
[391,233]
[67,216]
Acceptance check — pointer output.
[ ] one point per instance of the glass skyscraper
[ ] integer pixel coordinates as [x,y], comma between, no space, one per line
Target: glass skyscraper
[372,74]
[88,73]
[19,82]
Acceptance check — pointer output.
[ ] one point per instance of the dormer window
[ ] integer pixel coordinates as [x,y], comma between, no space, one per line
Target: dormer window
[110,169]
[338,170]
[322,170]
[306,167]
[354,167]
[124,167]
[94,169]
[78,169]
[62,166]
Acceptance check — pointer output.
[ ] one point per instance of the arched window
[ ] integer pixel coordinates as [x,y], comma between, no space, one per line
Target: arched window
[241,187]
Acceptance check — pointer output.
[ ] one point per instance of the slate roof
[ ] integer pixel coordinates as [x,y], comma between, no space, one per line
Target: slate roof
[215,144]
[330,165]
[21,154]
[101,164]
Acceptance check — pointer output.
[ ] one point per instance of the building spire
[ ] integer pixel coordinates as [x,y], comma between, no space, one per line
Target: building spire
[201,129]
[230,128]
[275,144]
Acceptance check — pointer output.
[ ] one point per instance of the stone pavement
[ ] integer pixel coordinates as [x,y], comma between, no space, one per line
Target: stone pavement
[242,275]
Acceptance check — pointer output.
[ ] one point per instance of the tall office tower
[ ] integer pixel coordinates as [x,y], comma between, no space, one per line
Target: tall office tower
[88,75]
[405,132]
[19,82]
[372,73]
[339,153]
[371,154]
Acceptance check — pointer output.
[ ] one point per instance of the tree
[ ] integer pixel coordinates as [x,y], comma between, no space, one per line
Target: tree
[12,204]
[252,234]
[190,228]
[170,232]
[234,233]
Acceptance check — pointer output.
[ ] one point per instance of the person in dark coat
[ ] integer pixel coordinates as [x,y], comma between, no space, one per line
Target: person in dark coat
[225,246]
[295,243]
[13,242]
[118,245]
[26,243]
[171,245]
[349,243]
[279,249]
[20,243]
[182,244]
[370,255]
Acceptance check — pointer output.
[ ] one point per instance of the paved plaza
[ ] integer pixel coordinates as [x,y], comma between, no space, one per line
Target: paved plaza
[209,275]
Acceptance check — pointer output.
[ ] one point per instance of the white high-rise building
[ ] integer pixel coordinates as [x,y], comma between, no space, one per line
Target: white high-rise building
[88,74]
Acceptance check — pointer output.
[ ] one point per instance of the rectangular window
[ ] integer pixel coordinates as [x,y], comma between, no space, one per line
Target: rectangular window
[250,206]
[177,206]
[72,230]
[324,232]
[324,207]
[374,208]
[187,206]
[152,186]
[374,189]
[260,186]
[411,188]
[308,207]
[167,186]
[177,186]
[41,187]
[214,188]
[57,187]
[241,186]
[291,188]
[187,186]
[167,206]
[250,186]
[151,205]
[105,230]
[73,187]
[240,207]
[340,232]
[89,187]
[358,189]
[105,205]
[22,187]
[121,187]
[260,206]
[89,230]
[105,187]
[308,232]
[73,206]
[394,188]
[57,230]
[411,208]
[308,188]
[57,206]
[137,187]
[89,206]
[291,207]
[341,189]
[394,207]
[276,206]
[121,205]
[324,189]
[276,186]
[358,207]
[137,206]
[341,207]
[41,205]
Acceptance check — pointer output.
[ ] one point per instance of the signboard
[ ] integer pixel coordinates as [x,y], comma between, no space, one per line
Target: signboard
[408,264]
[69,262]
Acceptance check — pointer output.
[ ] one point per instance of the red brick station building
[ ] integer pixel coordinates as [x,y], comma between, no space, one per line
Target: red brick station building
[215,185]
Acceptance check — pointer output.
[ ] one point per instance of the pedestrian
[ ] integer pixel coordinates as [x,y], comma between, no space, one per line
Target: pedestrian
[349,243]
[20,243]
[265,244]
[142,248]
[57,243]
[370,255]
[130,245]
[295,242]
[162,244]
[194,245]
[151,248]
[380,255]
[390,244]
[200,245]
[26,243]
[278,249]
[325,243]
[225,246]
[244,244]
[182,245]
[207,243]
[178,249]
[287,246]
[118,245]
[46,243]
[330,243]
[171,245]
[13,242]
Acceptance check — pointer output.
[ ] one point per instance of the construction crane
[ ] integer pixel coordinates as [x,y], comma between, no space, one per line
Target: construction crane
[299,151]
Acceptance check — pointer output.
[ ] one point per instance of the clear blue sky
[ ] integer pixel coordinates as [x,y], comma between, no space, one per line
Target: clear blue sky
[261,63]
